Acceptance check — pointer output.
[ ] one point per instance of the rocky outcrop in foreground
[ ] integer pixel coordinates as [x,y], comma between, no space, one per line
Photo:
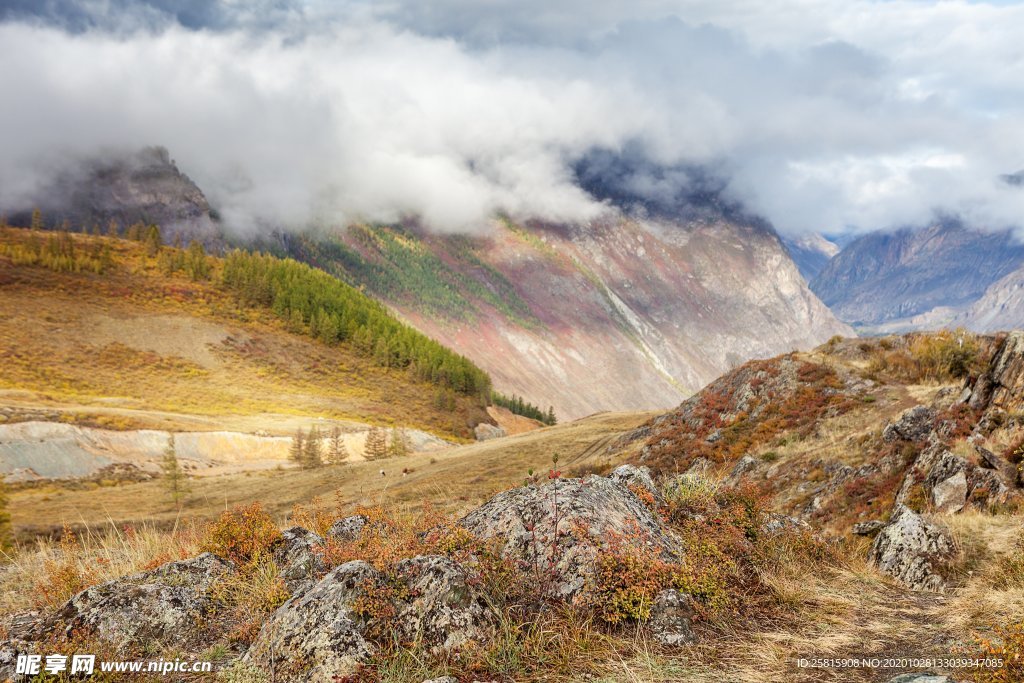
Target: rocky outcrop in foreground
[557,529]
[913,551]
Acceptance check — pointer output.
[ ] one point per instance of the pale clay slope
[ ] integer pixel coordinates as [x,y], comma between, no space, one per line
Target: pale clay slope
[48,450]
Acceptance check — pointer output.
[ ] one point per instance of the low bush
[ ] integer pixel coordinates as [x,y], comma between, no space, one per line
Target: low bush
[243,534]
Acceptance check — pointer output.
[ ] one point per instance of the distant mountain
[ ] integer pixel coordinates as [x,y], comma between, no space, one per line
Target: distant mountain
[139,187]
[890,278]
[635,310]
[811,253]
[617,314]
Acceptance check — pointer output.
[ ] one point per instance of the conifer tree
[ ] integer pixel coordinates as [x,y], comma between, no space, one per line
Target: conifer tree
[551,419]
[337,453]
[376,444]
[196,264]
[37,219]
[174,477]
[152,240]
[312,455]
[399,444]
[113,228]
[297,450]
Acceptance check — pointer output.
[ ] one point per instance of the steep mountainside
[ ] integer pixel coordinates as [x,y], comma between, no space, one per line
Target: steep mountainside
[1000,308]
[617,314]
[888,278]
[143,187]
[810,253]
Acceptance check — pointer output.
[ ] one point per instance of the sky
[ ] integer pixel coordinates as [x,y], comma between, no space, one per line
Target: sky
[831,116]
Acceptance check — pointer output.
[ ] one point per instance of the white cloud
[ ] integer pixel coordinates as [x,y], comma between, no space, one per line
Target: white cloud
[831,115]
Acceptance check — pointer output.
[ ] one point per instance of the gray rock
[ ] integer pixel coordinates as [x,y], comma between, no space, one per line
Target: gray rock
[672,618]
[159,606]
[870,528]
[298,561]
[631,475]
[445,610]
[443,679]
[316,636]
[913,550]
[947,481]
[912,425]
[585,511]
[989,460]
[348,529]
[925,677]
[9,651]
[743,466]
[776,523]
[699,466]
[486,432]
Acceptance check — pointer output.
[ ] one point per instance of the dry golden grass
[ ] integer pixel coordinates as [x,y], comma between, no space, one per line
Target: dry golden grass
[137,348]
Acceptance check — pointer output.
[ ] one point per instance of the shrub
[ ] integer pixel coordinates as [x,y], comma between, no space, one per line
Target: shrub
[1007,645]
[64,574]
[243,534]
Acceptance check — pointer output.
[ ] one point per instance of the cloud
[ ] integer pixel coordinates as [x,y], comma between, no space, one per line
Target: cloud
[831,116]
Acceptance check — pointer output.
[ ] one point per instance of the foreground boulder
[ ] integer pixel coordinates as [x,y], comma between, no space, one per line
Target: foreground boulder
[326,631]
[162,606]
[1001,385]
[297,559]
[638,479]
[557,528]
[672,618]
[913,551]
[912,425]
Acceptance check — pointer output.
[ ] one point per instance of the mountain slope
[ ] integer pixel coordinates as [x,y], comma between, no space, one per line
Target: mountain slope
[810,253]
[136,347]
[614,315]
[885,278]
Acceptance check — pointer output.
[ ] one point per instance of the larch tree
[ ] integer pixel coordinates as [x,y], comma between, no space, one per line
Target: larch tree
[376,444]
[399,444]
[337,452]
[312,455]
[175,481]
[297,450]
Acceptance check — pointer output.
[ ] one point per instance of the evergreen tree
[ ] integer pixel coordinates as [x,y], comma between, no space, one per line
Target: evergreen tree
[376,444]
[312,455]
[297,450]
[337,453]
[399,444]
[152,240]
[174,477]
[551,419]
[5,519]
[37,219]
[113,228]
[196,264]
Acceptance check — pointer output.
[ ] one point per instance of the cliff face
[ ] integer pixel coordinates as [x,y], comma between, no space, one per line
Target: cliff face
[810,253]
[888,278]
[617,314]
[145,186]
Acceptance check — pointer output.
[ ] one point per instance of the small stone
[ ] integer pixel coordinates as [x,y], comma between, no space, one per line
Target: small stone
[912,425]
[348,529]
[869,529]
[913,550]
[921,678]
[672,618]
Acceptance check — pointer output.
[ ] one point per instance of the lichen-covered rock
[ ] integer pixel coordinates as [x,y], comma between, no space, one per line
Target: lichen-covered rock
[348,529]
[947,481]
[775,523]
[159,606]
[321,633]
[672,618]
[640,477]
[925,677]
[741,469]
[913,550]
[584,512]
[870,528]
[316,636]
[298,561]
[912,425]
[444,610]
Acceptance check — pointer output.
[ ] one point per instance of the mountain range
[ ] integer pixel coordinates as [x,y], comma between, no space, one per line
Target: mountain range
[637,309]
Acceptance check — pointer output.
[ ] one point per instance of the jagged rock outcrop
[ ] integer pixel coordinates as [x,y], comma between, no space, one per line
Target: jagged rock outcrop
[297,559]
[913,550]
[161,606]
[1001,386]
[557,528]
[672,618]
[325,631]
[640,478]
[912,425]
[869,528]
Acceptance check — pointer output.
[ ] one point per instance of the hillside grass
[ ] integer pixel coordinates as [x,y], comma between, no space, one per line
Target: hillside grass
[137,338]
